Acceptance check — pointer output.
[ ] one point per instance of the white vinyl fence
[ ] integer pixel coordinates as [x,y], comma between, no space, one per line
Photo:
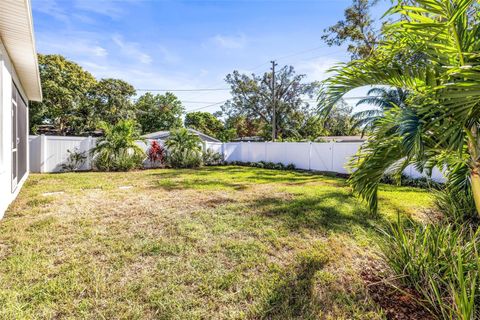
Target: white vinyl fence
[49,153]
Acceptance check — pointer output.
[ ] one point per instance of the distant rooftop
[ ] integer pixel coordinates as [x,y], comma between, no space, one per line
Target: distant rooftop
[162,135]
[342,138]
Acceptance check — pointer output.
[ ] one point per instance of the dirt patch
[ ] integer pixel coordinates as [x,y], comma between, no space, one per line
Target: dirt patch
[396,304]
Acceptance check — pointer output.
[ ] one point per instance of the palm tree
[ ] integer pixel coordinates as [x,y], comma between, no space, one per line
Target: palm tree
[440,126]
[381,98]
[118,150]
[183,149]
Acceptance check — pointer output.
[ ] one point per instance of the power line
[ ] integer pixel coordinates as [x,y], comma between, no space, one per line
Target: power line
[208,106]
[344,98]
[186,90]
[188,101]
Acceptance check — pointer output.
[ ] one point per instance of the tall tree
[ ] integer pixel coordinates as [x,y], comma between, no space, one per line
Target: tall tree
[204,122]
[357,30]
[252,98]
[159,112]
[66,91]
[339,121]
[244,126]
[113,100]
[441,124]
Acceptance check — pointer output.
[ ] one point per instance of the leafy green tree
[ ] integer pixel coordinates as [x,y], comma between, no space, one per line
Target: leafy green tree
[113,101]
[204,122]
[440,126]
[159,112]
[243,126]
[117,149]
[183,149]
[339,121]
[357,30]
[252,98]
[66,91]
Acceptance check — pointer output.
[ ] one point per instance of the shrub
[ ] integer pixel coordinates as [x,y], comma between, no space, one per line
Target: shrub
[117,150]
[406,181]
[441,262]
[290,166]
[183,149]
[212,158]
[457,206]
[156,153]
[75,160]
[264,164]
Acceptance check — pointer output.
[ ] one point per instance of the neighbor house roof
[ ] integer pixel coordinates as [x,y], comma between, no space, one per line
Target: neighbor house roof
[162,135]
[342,138]
[16,34]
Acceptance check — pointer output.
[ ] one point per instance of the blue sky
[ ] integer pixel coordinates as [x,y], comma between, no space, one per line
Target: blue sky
[179,44]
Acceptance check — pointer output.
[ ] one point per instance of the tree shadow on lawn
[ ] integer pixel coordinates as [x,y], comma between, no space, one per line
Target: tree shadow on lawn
[330,211]
[185,184]
[182,179]
[293,297]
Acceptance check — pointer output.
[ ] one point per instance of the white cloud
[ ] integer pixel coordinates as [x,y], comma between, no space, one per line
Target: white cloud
[168,56]
[58,43]
[107,8]
[51,8]
[317,69]
[131,49]
[230,42]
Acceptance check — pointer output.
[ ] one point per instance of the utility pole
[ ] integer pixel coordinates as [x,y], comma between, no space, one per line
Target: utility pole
[274,124]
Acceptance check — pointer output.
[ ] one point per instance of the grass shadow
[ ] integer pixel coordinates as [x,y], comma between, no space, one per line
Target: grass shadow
[236,178]
[294,296]
[331,211]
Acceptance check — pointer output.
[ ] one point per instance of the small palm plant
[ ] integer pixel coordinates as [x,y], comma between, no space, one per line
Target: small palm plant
[183,149]
[117,150]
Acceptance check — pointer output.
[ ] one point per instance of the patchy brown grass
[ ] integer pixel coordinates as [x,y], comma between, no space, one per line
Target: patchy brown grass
[214,243]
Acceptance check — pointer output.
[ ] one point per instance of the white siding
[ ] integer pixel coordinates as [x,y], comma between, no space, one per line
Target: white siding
[7,75]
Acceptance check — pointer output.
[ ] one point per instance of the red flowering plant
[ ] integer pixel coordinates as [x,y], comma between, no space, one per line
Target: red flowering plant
[156,153]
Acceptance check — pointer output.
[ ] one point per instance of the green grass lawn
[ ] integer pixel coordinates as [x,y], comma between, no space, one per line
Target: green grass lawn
[214,243]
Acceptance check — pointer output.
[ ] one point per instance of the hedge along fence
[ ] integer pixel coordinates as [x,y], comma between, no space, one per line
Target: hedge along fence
[49,153]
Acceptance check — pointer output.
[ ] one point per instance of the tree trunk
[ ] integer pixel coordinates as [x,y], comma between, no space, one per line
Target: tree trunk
[474,150]
[475,176]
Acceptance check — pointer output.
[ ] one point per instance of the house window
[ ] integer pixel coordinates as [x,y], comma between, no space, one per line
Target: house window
[19,137]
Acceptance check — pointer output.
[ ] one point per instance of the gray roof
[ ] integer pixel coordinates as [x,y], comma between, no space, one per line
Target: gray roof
[342,138]
[162,135]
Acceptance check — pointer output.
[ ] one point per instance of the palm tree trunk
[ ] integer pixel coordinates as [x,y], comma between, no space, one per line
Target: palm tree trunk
[474,150]
[475,178]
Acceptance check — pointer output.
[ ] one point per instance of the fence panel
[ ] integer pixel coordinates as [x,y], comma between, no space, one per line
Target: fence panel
[321,156]
[35,153]
[289,152]
[56,151]
[48,153]
[232,151]
[342,153]
[214,146]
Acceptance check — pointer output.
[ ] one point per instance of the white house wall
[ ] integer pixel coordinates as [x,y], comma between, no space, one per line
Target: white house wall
[7,74]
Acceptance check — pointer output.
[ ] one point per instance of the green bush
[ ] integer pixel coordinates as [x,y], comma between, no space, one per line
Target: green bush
[406,181]
[117,150]
[441,262]
[183,149]
[212,158]
[457,206]
[75,160]
[265,165]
